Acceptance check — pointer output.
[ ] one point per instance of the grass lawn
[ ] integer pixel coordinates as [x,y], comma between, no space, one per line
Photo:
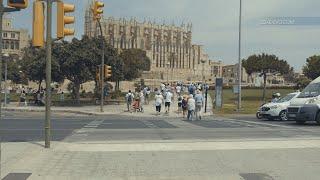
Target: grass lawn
[251,100]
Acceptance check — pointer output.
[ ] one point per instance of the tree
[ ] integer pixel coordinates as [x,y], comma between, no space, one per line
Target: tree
[264,64]
[76,62]
[112,59]
[312,67]
[33,65]
[135,61]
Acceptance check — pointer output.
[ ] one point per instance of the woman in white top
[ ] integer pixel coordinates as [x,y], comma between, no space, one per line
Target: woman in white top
[158,102]
[191,107]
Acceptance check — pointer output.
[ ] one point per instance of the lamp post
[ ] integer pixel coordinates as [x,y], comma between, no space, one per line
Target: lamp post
[239,59]
[6,56]
[203,61]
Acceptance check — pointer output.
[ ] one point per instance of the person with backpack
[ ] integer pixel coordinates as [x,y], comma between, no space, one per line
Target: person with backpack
[129,99]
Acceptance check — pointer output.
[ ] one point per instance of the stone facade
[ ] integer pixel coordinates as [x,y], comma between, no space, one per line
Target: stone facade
[230,76]
[14,40]
[173,55]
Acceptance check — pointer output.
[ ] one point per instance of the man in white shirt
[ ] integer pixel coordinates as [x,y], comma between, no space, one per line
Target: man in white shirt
[191,107]
[168,101]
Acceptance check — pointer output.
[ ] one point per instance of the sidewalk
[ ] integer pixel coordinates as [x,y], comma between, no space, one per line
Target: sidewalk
[149,110]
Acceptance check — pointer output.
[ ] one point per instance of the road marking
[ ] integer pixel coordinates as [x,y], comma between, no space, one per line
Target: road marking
[93,124]
[149,124]
[259,123]
[191,146]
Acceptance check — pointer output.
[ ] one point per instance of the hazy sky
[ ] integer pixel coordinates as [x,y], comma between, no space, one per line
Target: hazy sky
[215,24]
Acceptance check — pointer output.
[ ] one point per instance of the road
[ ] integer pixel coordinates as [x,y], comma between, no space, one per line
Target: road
[127,147]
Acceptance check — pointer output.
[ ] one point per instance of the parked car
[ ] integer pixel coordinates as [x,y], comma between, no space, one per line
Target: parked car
[278,109]
[306,107]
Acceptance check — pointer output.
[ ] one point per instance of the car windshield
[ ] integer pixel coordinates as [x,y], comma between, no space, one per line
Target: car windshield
[286,98]
[312,90]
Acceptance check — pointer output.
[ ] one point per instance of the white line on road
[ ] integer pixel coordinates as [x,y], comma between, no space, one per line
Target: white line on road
[191,146]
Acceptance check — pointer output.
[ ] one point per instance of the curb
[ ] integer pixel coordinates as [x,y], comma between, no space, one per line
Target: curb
[52,110]
[86,113]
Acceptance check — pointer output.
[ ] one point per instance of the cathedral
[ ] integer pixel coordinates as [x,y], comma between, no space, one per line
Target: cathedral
[173,55]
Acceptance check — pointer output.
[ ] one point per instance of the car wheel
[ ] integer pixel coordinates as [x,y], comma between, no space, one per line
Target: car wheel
[283,116]
[300,122]
[258,115]
[318,118]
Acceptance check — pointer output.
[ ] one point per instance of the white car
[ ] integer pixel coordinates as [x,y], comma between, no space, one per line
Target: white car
[278,109]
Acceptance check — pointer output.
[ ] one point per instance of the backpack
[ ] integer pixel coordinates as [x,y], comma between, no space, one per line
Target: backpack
[130,98]
[184,103]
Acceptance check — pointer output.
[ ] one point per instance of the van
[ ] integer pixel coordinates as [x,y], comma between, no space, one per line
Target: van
[306,106]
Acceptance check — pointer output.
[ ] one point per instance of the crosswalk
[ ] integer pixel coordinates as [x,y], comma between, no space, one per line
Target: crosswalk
[94,124]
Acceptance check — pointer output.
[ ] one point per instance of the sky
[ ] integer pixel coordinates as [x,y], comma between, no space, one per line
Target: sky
[215,24]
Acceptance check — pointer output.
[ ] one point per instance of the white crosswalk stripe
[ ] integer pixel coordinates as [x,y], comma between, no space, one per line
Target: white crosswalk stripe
[94,124]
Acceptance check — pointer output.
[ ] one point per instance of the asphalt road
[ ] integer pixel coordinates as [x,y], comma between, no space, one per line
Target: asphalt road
[22,127]
[127,147]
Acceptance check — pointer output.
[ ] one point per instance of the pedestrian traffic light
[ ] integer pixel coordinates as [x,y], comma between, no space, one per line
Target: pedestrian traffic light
[62,20]
[38,24]
[97,10]
[19,4]
[107,71]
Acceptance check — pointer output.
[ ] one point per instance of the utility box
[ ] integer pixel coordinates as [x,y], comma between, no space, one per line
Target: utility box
[218,94]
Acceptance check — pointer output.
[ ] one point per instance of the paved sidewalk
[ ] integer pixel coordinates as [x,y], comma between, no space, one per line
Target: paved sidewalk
[149,110]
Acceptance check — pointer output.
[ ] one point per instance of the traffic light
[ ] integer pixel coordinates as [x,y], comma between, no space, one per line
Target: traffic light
[97,10]
[19,4]
[107,71]
[38,24]
[62,20]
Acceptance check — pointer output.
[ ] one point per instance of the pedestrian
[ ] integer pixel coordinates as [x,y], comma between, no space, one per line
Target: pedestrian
[168,101]
[158,102]
[180,103]
[162,87]
[199,104]
[23,99]
[129,99]
[142,100]
[184,105]
[147,96]
[178,90]
[191,107]
[191,89]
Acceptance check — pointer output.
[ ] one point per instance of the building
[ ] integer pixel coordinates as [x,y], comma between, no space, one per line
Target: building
[230,77]
[14,40]
[173,55]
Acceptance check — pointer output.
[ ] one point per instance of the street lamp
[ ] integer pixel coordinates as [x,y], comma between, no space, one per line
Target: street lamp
[239,59]
[6,57]
[168,66]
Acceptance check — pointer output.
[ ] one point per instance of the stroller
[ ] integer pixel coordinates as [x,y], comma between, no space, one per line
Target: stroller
[136,106]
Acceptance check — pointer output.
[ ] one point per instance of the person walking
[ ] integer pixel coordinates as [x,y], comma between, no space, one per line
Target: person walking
[199,104]
[158,102]
[142,100]
[180,104]
[178,90]
[129,99]
[168,101]
[191,107]
[184,106]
